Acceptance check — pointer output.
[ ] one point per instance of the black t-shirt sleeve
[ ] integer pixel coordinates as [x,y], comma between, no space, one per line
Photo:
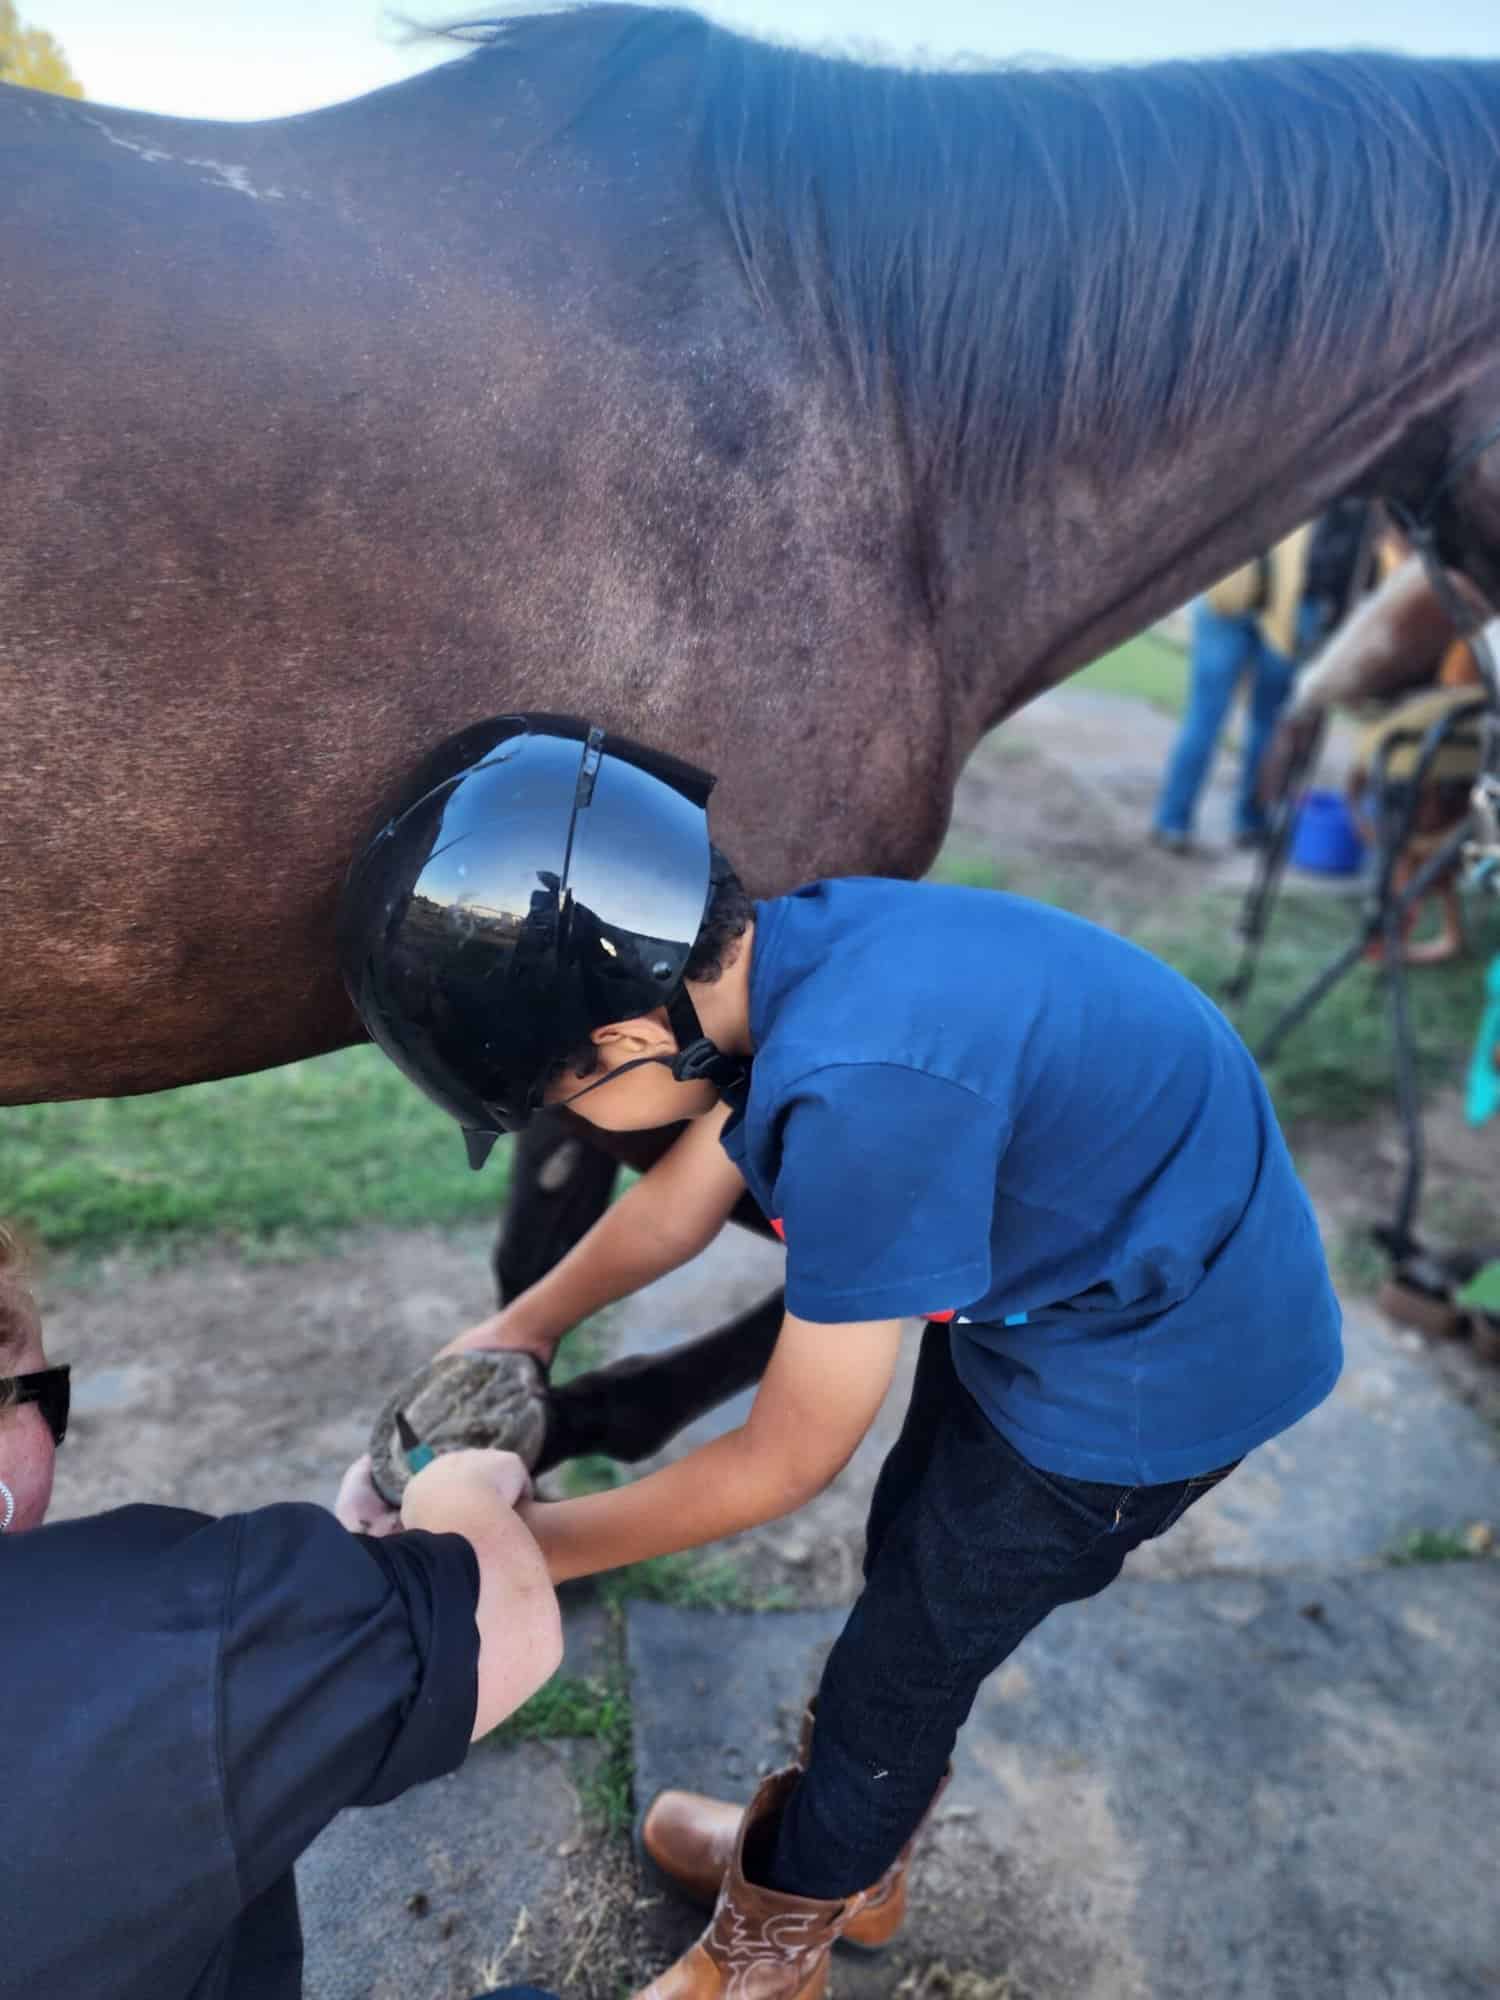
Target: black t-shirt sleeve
[349,1671]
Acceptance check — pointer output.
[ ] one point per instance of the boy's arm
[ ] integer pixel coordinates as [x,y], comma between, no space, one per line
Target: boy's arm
[817,1399]
[474,1494]
[673,1211]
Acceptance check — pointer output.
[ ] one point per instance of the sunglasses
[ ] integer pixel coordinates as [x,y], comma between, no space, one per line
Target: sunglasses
[47,1386]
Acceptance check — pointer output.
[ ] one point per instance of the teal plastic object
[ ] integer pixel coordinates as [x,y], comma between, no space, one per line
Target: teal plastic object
[1482,1095]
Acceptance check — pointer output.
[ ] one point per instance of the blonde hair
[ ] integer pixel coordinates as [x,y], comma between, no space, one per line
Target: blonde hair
[18,1314]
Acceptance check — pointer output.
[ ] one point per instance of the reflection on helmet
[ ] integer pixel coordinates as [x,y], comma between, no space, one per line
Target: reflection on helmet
[537,880]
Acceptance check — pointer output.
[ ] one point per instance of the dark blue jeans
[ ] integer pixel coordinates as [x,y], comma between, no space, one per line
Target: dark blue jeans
[968,1547]
[1225,650]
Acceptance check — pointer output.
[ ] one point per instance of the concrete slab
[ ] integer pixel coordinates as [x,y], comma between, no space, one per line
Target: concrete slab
[1251,1788]
[422,1897]
[1388,1454]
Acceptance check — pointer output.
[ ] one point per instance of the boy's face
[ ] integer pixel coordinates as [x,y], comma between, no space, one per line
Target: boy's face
[645,1099]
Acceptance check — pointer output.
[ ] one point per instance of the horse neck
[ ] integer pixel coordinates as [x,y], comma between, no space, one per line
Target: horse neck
[1037,581]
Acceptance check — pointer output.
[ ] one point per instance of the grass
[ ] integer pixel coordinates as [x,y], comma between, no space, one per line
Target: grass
[694,1579]
[597,1709]
[1358,1262]
[1432,1545]
[1149,669]
[1337,1064]
[276,1161]
[962,870]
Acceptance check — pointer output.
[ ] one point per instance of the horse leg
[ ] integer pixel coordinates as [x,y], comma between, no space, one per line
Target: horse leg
[560,1186]
[630,1408]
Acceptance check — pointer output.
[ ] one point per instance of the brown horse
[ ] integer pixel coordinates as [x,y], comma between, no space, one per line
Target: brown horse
[803,417]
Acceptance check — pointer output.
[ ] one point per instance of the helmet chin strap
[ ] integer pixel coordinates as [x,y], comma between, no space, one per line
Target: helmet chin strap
[698,1060]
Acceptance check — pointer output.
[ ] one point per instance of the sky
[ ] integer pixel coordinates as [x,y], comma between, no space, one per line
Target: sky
[264,58]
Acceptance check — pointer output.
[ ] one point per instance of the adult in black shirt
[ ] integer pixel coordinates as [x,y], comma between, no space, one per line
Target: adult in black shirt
[187,1702]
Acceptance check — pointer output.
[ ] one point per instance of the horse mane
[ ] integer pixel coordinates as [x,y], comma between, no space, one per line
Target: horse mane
[1086,262]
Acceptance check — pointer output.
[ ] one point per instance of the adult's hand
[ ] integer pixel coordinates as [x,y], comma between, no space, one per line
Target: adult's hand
[360,1506]
[500,1473]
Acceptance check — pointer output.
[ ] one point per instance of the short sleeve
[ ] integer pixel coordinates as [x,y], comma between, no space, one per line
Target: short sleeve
[349,1671]
[885,1192]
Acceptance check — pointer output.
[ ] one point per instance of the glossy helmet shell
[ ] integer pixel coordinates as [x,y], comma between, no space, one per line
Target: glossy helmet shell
[536,880]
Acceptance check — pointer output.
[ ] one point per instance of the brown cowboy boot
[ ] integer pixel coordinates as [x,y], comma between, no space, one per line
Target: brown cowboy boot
[761,1944]
[692,1839]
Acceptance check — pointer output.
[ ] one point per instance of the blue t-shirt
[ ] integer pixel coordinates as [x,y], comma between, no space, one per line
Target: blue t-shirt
[965,1104]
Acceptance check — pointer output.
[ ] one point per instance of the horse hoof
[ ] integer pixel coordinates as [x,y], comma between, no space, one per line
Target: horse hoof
[494,1398]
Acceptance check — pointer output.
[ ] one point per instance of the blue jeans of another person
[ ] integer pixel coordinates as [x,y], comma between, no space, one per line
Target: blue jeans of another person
[967,1549]
[1224,650]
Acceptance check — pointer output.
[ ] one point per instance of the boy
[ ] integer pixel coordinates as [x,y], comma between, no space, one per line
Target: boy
[955,1105]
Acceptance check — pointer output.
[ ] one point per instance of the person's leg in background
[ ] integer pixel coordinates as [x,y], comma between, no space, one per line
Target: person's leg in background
[1270,684]
[1221,649]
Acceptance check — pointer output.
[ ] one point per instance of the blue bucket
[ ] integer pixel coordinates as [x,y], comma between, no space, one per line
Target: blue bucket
[1326,840]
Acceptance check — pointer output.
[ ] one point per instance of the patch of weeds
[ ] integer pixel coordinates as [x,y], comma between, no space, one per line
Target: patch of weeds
[1461,1215]
[1431,1545]
[1359,1263]
[959,870]
[1150,668]
[1338,1062]
[567,1706]
[591,1473]
[598,1709]
[697,1582]
[587,1346]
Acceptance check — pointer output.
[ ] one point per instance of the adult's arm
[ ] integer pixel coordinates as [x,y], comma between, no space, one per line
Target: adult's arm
[474,1494]
[350,1669]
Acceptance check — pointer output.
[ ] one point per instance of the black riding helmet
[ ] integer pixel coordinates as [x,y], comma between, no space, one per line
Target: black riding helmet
[536,880]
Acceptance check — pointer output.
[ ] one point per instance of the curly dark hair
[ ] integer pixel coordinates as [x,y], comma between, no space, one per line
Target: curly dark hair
[726,918]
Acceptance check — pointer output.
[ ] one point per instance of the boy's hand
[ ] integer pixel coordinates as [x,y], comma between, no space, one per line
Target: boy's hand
[505,1329]
[817,1399]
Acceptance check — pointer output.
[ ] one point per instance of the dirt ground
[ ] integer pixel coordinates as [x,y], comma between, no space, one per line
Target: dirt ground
[222,1383]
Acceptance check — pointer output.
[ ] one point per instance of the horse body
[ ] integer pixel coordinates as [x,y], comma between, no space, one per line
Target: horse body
[326,436]
[297,483]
